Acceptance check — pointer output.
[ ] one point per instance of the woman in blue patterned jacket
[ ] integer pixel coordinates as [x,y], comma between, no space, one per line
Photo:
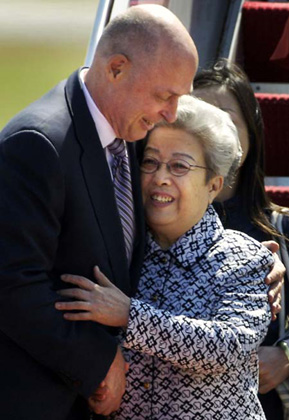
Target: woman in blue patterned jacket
[193,330]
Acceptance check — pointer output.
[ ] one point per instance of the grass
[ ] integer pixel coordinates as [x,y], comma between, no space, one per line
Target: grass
[29,71]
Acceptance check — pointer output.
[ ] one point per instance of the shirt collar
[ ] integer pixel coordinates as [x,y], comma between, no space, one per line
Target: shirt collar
[193,244]
[104,129]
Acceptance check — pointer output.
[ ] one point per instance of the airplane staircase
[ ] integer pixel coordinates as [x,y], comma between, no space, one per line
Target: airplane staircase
[264,42]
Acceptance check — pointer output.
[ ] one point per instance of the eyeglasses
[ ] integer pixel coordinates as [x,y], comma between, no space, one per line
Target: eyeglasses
[176,167]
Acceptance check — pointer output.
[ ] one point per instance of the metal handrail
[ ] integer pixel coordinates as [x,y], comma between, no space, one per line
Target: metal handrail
[101,20]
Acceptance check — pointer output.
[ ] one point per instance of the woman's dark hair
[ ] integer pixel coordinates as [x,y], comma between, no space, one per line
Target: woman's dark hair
[251,185]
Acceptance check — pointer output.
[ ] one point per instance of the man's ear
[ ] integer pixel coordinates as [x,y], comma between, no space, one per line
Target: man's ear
[117,67]
[215,186]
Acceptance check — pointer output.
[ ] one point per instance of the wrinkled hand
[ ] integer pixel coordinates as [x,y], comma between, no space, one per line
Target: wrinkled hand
[102,392]
[107,397]
[273,368]
[275,279]
[103,302]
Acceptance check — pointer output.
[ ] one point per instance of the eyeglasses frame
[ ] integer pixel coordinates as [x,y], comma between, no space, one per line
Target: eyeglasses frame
[159,163]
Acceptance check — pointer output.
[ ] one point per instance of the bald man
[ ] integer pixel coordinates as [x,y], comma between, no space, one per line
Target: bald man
[59,213]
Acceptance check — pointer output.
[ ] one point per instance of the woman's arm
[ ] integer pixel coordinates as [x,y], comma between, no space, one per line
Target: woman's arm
[238,324]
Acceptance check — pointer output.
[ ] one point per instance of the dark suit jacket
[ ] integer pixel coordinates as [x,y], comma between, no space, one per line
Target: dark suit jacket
[57,215]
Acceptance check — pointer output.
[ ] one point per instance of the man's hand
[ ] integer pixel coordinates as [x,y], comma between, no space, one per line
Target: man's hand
[108,396]
[273,368]
[275,279]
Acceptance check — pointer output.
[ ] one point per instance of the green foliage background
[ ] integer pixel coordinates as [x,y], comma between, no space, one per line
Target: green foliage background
[38,73]
[28,69]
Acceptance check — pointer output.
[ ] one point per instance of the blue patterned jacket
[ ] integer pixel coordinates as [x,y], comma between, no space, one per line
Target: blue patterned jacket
[199,316]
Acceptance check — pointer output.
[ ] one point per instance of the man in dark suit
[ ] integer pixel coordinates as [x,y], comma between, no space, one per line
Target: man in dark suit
[58,213]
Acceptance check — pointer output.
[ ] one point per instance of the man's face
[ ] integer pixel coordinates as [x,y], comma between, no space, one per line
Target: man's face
[143,98]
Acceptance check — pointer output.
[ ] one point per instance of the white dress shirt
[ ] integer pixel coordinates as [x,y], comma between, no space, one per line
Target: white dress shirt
[105,131]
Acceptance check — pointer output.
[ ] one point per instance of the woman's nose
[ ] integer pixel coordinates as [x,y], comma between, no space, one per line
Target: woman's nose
[162,175]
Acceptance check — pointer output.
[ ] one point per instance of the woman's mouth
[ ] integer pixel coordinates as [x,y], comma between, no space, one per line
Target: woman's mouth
[161,198]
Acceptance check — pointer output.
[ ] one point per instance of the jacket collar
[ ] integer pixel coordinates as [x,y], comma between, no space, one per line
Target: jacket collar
[191,246]
[98,180]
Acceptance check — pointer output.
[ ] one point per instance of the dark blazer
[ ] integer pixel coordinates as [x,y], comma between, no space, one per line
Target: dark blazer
[57,215]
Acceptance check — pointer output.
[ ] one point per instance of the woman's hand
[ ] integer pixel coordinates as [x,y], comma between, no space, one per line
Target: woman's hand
[275,279]
[103,302]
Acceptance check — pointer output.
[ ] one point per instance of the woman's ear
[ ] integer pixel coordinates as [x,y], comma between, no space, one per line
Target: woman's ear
[117,67]
[215,186]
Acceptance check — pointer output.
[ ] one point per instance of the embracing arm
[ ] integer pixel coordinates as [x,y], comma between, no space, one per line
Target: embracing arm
[273,361]
[275,279]
[273,364]
[237,326]
[273,367]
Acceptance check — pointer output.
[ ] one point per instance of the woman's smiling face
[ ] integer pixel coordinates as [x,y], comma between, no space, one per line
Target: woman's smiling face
[173,204]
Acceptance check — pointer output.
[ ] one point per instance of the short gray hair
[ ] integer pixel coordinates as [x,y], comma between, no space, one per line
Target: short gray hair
[216,132]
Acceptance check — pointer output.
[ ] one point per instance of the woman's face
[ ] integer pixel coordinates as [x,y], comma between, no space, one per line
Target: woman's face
[221,97]
[174,204]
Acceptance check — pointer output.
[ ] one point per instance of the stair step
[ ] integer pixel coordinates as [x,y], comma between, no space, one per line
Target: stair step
[275,111]
[279,195]
[263,24]
[270,87]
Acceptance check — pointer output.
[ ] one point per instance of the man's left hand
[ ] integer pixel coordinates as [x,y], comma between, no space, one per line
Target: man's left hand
[273,368]
[275,280]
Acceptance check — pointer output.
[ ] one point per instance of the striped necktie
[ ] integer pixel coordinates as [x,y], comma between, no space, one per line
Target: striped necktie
[123,192]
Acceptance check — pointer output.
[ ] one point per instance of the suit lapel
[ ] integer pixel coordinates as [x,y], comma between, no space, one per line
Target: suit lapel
[98,180]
